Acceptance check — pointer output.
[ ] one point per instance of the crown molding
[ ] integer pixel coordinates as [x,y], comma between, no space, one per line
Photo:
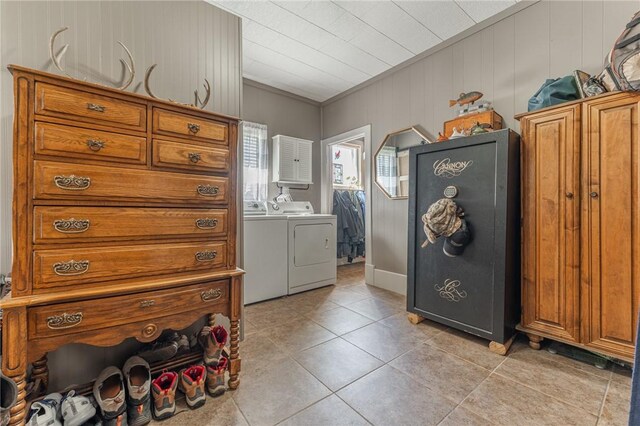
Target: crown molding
[512,10]
[277,91]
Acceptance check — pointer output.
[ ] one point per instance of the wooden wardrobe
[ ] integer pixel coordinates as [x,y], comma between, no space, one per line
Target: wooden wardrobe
[581,224]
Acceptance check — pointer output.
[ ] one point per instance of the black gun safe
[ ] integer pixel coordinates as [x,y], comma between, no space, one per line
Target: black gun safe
[477,291]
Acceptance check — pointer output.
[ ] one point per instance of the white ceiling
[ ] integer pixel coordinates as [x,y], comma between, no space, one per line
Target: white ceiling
[320,48]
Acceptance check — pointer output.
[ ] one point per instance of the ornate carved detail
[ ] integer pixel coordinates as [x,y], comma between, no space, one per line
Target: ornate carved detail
[194,157]
[65,320]
[208,190]
[72,183]
[71,226]
[149,330]
[71,267]
[211,294]
[203,256]
[449,290]
[206,223]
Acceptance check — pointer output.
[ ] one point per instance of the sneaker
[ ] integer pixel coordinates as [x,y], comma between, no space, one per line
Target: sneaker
[46,412]
[216,385]
[8,398]
[76,409]
[108,390]
[192,381]
[163,390]
[137,376]
[161,350]
[212,340]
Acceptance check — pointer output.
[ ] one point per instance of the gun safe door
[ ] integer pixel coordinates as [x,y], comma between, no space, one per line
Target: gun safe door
[463,253]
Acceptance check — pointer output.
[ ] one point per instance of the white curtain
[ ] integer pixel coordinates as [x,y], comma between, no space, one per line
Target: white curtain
[255,161]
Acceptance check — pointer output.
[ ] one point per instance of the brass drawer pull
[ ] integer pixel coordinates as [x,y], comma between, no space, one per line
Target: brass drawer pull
[193,128]
[203,256]
[147,303]
[58,322]
[71,267]
[95,145]
[209,295]
[206,223]
[96,107]
[194,157]
[71,226]
[208,190]
[72,183]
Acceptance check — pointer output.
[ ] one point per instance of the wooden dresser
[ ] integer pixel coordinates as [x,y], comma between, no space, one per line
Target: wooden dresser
[581,223]
[124,221]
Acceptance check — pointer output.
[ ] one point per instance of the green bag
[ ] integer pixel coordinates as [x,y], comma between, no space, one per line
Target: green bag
[553,92]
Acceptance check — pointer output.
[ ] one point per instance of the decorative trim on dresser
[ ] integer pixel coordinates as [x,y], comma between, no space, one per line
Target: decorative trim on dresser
[124,222]
[581,224]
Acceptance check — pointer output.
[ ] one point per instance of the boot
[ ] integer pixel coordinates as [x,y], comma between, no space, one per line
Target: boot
[216,385]
[163,390]
[8,398]
[212,340]
[192,381]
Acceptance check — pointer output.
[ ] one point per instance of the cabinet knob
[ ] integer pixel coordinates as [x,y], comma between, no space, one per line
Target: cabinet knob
[594,195]
[569,195]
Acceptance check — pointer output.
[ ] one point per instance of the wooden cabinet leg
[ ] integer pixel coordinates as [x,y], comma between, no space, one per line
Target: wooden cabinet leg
[534,341]
[40,375]
[18,413]
[234,368]
[14,359]
[415,318]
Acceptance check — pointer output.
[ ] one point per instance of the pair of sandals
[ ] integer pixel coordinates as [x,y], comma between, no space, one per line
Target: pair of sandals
[56,410]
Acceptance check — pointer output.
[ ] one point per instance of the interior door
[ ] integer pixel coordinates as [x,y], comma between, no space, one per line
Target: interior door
[288,154]
[550,225]
[611,240]
[304,162]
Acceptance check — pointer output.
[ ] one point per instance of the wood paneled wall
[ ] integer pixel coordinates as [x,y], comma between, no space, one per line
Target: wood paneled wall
[507,61]
[189,40]
[290,115]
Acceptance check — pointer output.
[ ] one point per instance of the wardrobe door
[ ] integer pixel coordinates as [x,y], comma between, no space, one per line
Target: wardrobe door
[550,223]
[611,237]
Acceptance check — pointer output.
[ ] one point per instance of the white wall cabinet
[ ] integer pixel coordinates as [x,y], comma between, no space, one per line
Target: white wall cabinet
[292,160]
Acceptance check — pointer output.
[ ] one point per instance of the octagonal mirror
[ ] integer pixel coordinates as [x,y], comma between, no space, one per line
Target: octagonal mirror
[392,161]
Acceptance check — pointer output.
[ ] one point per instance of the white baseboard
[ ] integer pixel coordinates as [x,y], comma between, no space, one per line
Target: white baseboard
[390,281]
[369,270]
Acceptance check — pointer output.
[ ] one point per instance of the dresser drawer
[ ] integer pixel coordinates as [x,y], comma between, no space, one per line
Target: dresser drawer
[190,157]
[53,180]
[177,124]
[75,142]
[72,224]
[86,315]
[68,103]
[80,266]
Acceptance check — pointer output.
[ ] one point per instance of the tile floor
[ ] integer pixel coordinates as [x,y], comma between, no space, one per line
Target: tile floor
[346,355]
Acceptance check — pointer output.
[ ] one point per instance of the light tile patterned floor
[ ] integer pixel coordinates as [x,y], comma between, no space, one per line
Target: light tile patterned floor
[346,355]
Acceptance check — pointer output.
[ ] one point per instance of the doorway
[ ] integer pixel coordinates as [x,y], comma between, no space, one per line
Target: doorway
[346,168]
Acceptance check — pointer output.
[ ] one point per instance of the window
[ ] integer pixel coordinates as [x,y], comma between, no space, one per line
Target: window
[347,166]
[255,161]
[387,168]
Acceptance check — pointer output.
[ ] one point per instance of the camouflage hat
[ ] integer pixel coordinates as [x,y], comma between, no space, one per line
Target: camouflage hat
[441,219]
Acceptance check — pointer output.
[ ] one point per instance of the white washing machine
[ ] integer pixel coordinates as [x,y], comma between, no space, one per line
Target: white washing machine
[265,253]
[312,237]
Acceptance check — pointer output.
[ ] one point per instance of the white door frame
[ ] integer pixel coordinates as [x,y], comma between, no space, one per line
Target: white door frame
[326,197]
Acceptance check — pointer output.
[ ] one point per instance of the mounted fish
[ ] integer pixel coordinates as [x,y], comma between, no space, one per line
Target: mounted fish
[466,98]
[198,103]
[129,66]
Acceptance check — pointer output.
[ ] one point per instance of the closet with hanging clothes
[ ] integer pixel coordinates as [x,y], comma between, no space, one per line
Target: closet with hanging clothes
[349,208]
